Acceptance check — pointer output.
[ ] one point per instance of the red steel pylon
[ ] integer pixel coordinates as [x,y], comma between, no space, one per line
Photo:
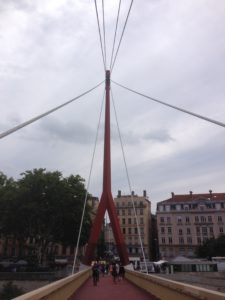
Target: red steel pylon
[106,201]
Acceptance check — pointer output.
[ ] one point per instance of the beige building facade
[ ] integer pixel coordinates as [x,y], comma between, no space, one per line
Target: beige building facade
[128,223]
[185,221]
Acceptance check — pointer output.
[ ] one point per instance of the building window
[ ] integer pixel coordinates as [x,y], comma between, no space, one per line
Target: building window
[141,211]
[141,204]
[124,230]
[180,231]
[170,240]
[187,220]
[188,231]
[196,219]
[141,221]
[129,230]
[162,230]
[204,231]
[218,206]
[168,220]
[198,230]
[129,220]
[56,250]
[220,219]
[163,240]
[167,207]
[64,250]
[199,240]
[169,230]
[135,230]
[221,229]
[209,218]
[162,220]
[179,220]
[129,212]
[181,240]
[142,230]
[123,212]
[189,240]
[178,207]
[160,208]
[123,221]
[203,219]
[211,230]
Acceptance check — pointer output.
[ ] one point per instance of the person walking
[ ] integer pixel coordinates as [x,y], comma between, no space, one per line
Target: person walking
[95,274]
[121,272]
[114,272]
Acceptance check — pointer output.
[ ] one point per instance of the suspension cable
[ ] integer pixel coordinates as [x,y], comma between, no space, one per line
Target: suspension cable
[20,126]
[114,40]
[88,184]
[122,35]
[103,25]
[100,36]
[129,183]
[173,106]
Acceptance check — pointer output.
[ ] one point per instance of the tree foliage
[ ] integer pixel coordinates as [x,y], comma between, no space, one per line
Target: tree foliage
[212,247]
[43,206]
[10,291]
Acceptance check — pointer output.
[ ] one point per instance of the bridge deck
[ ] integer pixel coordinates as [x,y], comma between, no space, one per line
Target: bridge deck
[106,289]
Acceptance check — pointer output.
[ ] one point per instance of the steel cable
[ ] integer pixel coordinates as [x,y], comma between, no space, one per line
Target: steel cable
[172,106]
[20,126]
[122,35]
[100,36]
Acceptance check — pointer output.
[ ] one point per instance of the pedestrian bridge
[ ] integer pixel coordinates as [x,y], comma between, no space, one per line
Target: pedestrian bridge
[135,286]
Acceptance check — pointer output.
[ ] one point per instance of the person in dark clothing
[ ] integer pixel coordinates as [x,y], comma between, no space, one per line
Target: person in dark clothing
[114,272]
[95,274]
[121,272]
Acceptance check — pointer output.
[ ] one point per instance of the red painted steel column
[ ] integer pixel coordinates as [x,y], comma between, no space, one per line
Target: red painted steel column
[106,201]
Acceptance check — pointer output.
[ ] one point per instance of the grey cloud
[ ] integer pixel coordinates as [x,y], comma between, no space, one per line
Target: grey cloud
[72,132]
[159,135]
[172,50]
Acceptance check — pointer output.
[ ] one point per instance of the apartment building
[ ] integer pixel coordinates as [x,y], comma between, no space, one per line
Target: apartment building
[128,222]
[185,221]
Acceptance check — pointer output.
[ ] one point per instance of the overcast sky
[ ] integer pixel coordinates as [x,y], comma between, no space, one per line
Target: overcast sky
[172,50]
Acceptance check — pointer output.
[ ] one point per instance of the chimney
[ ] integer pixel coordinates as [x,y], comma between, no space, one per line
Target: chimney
[119,194]
[172,194]
[210,191]
[191,193]
[144,193]
[132,193]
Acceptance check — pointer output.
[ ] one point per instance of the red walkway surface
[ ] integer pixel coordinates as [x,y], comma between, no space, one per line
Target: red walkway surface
[106,289]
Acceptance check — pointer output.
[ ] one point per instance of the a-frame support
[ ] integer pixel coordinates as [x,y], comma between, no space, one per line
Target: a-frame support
[106,201]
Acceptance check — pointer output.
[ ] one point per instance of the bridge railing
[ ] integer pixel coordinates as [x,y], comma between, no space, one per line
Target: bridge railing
[61,289]
[166,289]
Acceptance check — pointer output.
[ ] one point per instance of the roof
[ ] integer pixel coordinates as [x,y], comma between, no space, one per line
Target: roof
[194,197]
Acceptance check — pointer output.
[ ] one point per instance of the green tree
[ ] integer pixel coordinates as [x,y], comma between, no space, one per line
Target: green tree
[10,291]
[44,206]
[212,247]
